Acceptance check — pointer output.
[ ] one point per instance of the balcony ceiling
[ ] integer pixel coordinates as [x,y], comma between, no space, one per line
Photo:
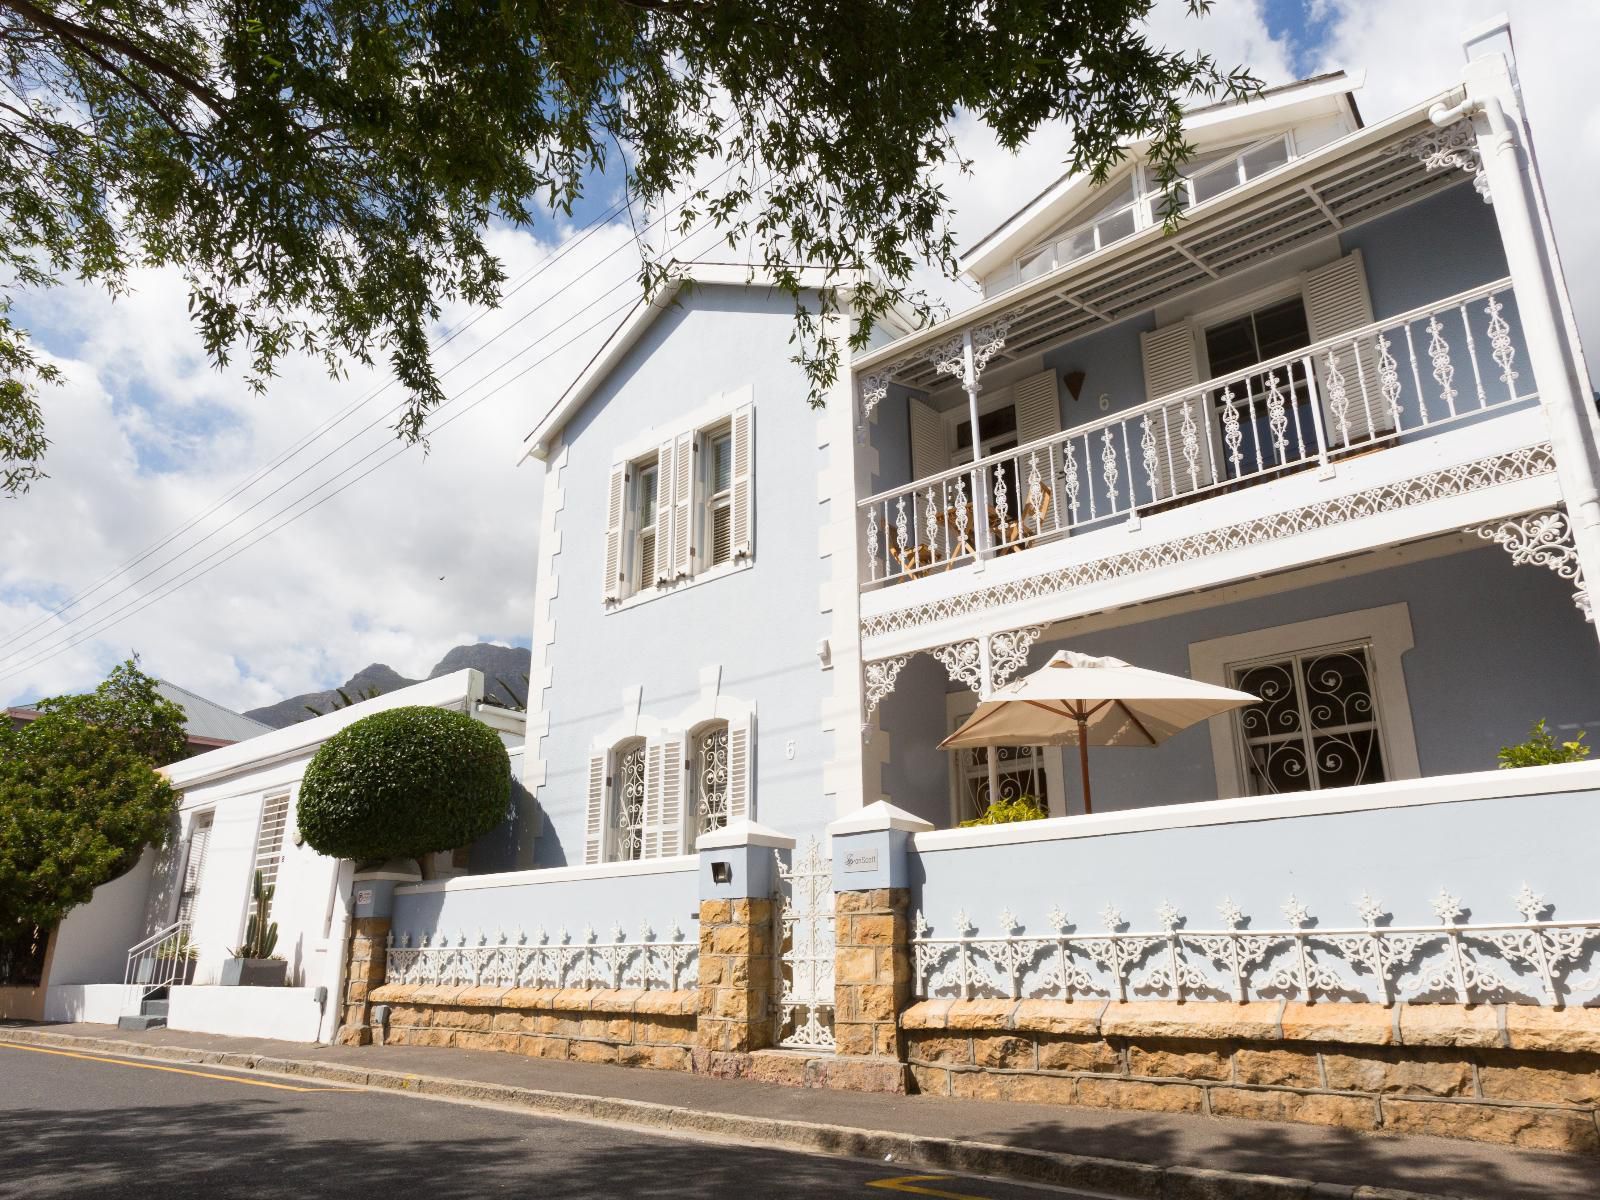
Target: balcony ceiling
[1360,177]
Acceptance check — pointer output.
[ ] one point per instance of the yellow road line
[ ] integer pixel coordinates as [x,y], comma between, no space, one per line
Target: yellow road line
[122,1062]
[908,1184]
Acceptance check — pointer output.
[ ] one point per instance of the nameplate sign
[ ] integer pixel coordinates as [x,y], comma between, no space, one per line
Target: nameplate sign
[363,895]
[857,861]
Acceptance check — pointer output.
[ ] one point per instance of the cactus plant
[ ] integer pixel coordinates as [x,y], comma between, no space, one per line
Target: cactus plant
[260,935]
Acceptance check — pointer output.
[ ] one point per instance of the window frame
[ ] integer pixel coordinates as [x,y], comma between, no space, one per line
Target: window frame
[708,499]
[1387,633]
[693,738]
[635,528]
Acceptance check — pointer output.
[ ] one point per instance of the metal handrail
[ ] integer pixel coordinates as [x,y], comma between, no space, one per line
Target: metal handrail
[158,936]
[1209,385]
[164,969]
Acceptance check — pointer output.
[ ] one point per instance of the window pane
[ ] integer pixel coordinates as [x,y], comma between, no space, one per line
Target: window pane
[711,779]
[997,423]
[1231,346]
[722,462]
[1281,328]
[1338,691]
[628,801]
[1075,246]
[1116,228]
[1264,158]
[1037,263]
[1215,182]
[1278,713]
[1348,759]
[645,495]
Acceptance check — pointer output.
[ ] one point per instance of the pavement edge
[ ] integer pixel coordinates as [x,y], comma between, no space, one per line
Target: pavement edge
[1136,1181]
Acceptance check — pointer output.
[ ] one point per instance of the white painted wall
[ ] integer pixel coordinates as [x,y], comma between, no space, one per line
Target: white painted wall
[95,1003]
[91,943]
[290,1014]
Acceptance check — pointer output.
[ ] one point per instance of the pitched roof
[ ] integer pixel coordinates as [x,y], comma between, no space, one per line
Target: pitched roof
[207,719]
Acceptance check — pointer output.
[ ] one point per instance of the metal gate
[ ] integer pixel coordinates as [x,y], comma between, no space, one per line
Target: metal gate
[805,935]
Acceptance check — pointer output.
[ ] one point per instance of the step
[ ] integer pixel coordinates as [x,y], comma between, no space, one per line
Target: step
[141,1021]
[154,1008]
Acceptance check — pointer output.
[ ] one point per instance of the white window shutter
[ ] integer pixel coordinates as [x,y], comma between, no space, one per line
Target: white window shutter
[616,500]
[594,824]
[741,768]
[1038,402]
[744,468]
[1185,445]
[666,477]
[1337,301]
[650,839]
[685,508]
[665,835]
[930,453]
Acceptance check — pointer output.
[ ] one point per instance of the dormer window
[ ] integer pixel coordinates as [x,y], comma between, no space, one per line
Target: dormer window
[1121,209]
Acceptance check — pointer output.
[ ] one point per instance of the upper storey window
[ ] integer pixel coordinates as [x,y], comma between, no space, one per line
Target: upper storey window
[1133,202]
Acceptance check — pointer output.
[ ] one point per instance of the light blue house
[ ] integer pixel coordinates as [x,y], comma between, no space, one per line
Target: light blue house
[1330,443]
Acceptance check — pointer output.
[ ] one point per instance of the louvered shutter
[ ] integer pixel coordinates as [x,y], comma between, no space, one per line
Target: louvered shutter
[1181,433]
[1038,402]
[929,452]
[650,839]
[742,504]
[269,839]
[594,821]
[194,866]
[664,779]
[685,505]
[666,478]
[741,768]
[1337,301]
[616,499]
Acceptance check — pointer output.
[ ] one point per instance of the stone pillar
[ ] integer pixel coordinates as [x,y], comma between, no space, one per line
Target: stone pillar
[872,905]
[738,973]
[367,947]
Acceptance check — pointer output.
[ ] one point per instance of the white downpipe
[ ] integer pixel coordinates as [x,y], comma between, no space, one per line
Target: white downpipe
[1554,367]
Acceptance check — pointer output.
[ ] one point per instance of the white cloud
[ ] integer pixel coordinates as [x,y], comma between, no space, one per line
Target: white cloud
[1413,50]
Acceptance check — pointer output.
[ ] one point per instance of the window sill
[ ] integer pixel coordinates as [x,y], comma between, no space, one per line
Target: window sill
[661,591]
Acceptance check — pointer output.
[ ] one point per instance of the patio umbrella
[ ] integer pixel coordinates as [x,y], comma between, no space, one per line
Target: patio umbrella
[1079,699]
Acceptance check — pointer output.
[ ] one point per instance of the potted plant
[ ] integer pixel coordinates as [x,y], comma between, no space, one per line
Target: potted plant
[176,959]
[253,964]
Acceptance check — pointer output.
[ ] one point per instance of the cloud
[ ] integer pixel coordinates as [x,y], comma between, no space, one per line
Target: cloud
[430,550]
[1413,50]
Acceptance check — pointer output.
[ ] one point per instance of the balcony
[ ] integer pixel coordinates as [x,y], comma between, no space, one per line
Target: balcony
[1395,382]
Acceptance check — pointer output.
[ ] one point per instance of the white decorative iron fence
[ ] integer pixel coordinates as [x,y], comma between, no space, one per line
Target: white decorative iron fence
[648,961]
[805,934]
[164,959]
[1376,386]
[1531,961]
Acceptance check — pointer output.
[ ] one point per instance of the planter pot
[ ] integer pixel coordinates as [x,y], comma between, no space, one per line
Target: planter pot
[254,972]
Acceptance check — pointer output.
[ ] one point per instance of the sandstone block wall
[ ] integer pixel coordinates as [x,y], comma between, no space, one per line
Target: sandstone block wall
[1513,1074]
[629,1027]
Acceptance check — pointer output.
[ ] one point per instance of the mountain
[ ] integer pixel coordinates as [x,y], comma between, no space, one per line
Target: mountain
[505,676]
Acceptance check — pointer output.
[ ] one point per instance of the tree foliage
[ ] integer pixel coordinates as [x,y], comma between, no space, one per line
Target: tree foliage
[402,783]
[325,174]
[80,797]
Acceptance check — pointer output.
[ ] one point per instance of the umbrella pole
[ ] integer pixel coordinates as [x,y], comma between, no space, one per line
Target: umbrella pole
[991,753]
[1083,760]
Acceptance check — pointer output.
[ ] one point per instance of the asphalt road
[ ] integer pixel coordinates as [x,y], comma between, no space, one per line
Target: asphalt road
[85,1125]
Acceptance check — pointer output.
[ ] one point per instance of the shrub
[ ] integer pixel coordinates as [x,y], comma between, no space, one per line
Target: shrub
[1003,812]
[1541,749]
[403,783]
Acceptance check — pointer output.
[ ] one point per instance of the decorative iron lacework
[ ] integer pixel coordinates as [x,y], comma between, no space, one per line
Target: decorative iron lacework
[1531,961]
[711,779]
[947,356]
[649,961]
[1454,146]
[1462,479]
[804,1015]
[1545,540]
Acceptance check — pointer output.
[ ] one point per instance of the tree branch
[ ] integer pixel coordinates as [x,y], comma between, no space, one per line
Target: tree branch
[80,34]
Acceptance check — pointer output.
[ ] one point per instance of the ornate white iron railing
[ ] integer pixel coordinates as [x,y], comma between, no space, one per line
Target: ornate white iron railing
[649,962]
[805,950]
[164,959]
[1530,961]
[1420,371]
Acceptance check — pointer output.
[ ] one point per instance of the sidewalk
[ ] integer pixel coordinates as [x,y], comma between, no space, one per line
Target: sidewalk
[1121,1153]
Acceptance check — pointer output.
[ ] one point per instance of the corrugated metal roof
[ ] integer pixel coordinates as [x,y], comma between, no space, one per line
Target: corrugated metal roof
[208,719]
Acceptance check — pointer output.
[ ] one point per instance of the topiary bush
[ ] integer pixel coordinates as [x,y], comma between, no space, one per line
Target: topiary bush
[1004,812]
[403,783]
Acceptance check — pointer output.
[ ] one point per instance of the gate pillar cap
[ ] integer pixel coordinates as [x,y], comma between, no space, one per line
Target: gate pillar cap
[878,817]
[744,833]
